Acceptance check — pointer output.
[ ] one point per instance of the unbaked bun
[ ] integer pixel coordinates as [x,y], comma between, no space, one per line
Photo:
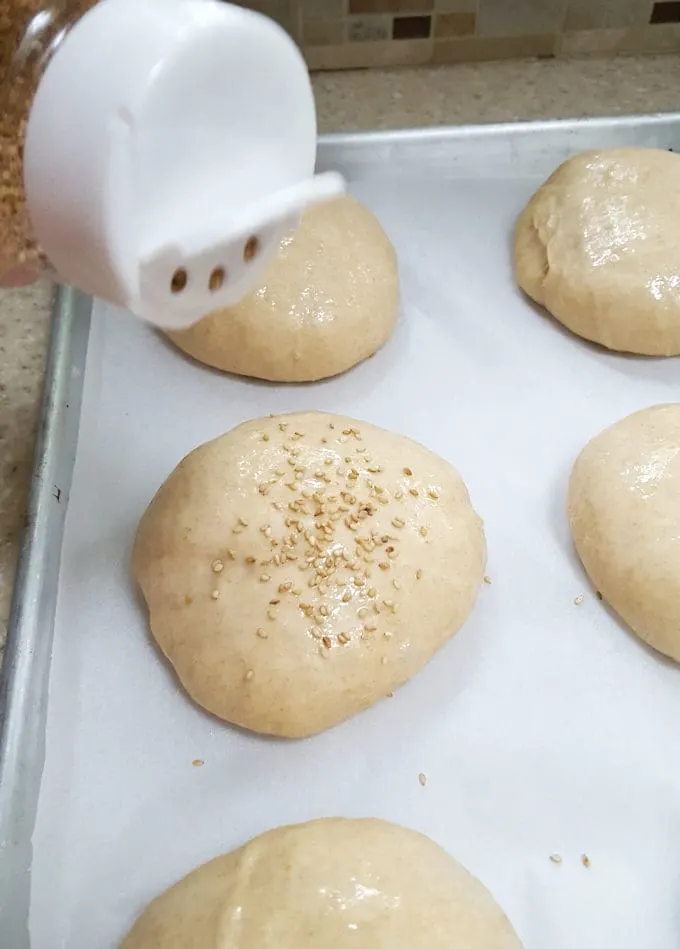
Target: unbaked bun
[624,509]
[300,567]
[328,884]
[597,247]
[326,302]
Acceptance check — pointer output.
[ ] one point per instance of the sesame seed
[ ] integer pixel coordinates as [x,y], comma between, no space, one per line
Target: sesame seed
[243,522]
[579,599]
[556,858]
[328,461]
[271,613]
[384,565]
[370,627]
[249,675]
[283,426]
[397,522]
[215,594]
[407,472]
[264,578]
[323,610]
[413,492]
[372,592]
[423,531]
[265,438]
[419,574]
[346,596]
[362,612]
[261,633]
[198,762]
[387,634]
[326,641]
[433,494]
[251,560]
[422,779]
[598,595]
[396,584]
[585,860]
[398,494]
[217,566]
[487,580]
[343,638]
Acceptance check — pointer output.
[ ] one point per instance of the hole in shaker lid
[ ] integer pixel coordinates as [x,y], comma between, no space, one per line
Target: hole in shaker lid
[216,279]
[251,248]
[179,280]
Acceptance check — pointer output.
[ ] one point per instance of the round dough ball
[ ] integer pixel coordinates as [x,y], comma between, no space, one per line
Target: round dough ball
[300,567]
[597,247]
[328,884]
[624,509]
[326,302]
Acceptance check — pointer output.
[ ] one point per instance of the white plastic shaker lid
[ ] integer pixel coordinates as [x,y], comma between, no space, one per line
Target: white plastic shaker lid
[170,146]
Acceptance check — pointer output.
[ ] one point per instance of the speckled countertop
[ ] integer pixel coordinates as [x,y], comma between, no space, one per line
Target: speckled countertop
[347,101]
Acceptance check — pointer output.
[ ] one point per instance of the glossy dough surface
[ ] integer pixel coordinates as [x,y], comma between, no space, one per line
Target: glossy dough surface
[624,510]
[597,247]
[328,884]
[326,302]
[300,567]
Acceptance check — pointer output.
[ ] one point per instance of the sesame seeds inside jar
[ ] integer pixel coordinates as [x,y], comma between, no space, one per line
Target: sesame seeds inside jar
[30,33]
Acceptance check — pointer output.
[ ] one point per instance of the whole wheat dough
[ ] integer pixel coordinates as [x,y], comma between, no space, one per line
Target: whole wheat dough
[326,302]
[597,246]
[328,884]
[624,509]
[300,567]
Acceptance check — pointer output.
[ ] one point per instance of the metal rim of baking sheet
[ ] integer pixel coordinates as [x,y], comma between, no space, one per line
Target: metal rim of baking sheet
[25,673]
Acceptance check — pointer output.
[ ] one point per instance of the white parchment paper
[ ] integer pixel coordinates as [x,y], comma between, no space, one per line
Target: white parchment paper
[543,727]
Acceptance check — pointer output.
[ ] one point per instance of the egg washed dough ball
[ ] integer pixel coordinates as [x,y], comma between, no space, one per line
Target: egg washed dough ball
[624,510]
[328,884]
[597,247]
[327,301]
[300,567]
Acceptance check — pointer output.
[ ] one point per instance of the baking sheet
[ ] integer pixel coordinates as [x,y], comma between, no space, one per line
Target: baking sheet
[543,727]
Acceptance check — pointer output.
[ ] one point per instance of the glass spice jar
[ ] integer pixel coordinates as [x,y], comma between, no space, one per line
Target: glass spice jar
[30,34]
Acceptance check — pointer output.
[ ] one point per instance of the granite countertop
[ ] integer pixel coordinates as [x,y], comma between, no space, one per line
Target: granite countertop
[348,101]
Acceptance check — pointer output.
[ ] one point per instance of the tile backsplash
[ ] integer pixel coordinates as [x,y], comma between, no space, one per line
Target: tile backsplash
[351,34]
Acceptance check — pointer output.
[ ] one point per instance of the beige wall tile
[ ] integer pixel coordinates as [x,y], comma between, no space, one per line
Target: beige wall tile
[661,38]
[322,9]
[520,17]
[367,29]
[591,14]
[454,24]
[479,49]
[362,55]
[390,6]
[456,6]
[587,42]
[323,32]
